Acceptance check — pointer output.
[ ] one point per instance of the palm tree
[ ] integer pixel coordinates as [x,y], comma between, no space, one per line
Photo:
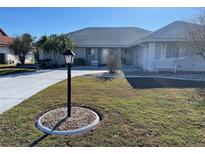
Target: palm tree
[55,45]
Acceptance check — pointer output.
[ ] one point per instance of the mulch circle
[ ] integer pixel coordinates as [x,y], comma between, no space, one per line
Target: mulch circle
[56,120]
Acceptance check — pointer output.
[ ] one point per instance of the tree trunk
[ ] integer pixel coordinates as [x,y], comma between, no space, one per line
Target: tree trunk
[22,60]
[36,56]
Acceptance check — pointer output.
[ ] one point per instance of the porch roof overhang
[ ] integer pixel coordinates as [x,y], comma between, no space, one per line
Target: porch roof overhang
[163,40]
[141,42]
[101,46]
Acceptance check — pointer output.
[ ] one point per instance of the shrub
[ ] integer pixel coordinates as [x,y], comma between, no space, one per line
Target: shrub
[45,63]
[113,63]
[55,65]
[79,62]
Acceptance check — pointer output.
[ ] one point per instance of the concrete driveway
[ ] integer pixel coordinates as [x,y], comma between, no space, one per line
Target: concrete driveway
[18,87]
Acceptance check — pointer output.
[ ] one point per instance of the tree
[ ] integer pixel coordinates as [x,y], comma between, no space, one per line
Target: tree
[196,35]
[21,45]
[55,45]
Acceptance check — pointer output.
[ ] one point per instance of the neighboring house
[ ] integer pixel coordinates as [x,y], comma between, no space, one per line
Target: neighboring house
[6,55]
[161,50]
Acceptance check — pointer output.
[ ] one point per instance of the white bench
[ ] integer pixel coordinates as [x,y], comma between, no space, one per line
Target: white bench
[166,65]
[94,62]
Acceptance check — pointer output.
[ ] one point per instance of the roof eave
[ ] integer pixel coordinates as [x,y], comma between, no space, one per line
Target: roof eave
[162,40]
[2,31]
[102,46]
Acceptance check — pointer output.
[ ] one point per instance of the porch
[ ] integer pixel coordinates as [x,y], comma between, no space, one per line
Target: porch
[100,56]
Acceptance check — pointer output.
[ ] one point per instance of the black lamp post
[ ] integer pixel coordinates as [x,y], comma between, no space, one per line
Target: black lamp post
[69,56]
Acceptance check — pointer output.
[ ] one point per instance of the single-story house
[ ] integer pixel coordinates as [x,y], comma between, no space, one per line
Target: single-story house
[95,44]
[6,56]
[163,49]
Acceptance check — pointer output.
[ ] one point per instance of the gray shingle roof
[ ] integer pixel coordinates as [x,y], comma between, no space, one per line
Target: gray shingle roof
[175,31]
[107,36]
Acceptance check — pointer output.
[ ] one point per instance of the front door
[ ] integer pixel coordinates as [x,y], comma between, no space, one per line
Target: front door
[104,55]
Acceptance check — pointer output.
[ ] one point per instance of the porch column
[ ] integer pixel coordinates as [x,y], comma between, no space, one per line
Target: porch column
[119,54]
[99,56]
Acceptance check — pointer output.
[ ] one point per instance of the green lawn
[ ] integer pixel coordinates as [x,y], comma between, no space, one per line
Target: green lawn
[130,117]
[12,70]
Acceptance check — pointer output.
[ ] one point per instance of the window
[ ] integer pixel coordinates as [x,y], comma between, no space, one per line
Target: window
[182,50]
[128,52]
[175,50]
[158,51]
[169,50]
[172,50]
[88,52]
[91,53]
[113,51]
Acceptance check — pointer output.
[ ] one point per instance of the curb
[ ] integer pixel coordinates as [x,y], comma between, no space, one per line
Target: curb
[68,132]
[147,76]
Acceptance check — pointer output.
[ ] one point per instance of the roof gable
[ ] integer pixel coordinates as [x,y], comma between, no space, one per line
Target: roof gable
[2,32]
[177,30]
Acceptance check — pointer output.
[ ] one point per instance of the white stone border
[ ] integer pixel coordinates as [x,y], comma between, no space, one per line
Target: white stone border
[68,132]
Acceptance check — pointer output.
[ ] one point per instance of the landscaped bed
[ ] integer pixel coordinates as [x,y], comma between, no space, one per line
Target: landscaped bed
[79,119]
[57,121]
[131,116]
[7,65]
[12,70]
